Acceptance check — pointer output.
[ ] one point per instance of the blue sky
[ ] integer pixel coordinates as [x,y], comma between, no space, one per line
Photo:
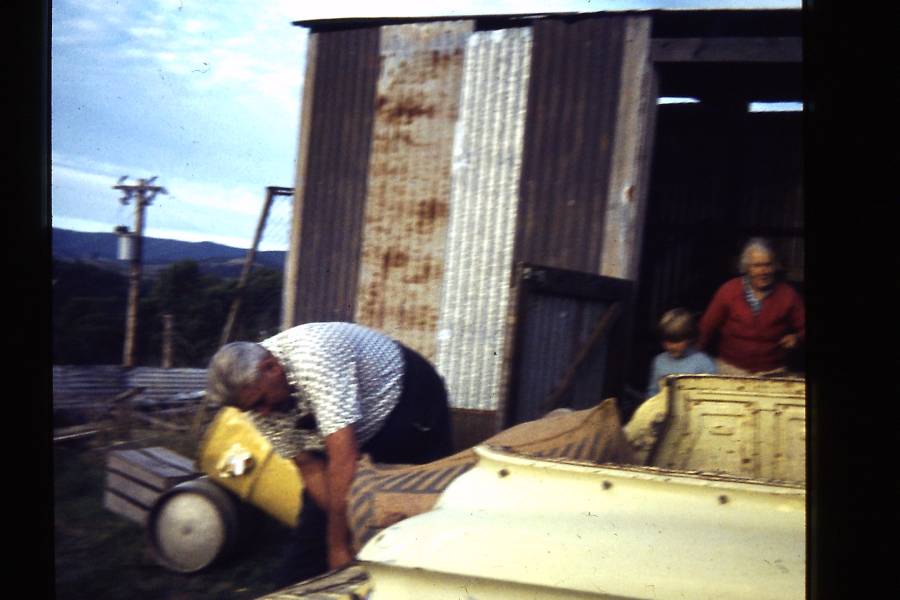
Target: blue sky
[206,96]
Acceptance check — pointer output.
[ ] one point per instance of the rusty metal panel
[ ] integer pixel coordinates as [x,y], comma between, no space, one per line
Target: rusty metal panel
[570,127]
[408,197]
[334,190]
[487,159]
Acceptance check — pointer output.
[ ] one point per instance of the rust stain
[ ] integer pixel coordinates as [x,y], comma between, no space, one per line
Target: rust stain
[423,273]
[394,258]
[428,213]
[403,110]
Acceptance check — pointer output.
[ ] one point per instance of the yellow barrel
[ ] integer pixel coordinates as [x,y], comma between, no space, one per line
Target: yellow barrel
[235,455]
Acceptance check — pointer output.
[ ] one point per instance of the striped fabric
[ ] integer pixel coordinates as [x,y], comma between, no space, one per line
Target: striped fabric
[384,494]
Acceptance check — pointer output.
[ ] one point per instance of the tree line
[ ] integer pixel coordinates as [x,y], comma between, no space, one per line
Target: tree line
[89,304]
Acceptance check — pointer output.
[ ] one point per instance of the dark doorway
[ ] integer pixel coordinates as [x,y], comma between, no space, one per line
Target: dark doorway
[720,175]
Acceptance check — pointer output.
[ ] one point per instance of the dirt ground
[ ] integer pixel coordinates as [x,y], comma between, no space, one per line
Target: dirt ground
[99,554]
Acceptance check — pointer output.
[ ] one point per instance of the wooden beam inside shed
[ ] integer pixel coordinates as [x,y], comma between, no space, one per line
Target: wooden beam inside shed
[631,154]
[731,49]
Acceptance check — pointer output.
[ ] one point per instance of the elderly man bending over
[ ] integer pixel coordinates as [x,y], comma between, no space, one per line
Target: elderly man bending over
[343,388]
[755,319]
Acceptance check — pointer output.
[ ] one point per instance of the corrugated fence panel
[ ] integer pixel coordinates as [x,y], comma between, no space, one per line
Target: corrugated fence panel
[408,196]
[101,382]
[487,160]
[165,384]
[80,382]
[335,188]
[574,88]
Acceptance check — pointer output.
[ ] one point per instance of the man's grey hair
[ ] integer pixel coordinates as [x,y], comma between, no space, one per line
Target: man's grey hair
[232,367]
[756,245]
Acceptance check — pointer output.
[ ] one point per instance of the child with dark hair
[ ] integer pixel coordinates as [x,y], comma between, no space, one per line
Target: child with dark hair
[678,332]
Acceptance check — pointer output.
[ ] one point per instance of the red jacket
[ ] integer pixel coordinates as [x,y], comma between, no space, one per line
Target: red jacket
[751,341]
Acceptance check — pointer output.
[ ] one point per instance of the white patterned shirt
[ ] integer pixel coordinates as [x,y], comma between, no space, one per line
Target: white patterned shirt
[345,374]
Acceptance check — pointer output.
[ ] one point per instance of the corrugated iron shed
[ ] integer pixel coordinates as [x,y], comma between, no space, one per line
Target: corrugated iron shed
[477,152]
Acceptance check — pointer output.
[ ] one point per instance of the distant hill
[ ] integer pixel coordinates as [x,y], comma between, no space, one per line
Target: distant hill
[100,249]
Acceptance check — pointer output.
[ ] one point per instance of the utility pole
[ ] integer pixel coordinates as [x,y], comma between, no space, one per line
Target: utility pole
[168,334]
[143,193]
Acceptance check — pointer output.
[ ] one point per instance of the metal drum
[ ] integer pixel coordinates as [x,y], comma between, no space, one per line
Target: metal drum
[192,525]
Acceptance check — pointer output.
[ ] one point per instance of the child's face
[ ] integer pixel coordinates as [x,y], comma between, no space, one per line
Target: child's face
[676,349]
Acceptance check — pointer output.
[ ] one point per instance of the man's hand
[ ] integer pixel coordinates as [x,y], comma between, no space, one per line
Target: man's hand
[342,457]
[789,341]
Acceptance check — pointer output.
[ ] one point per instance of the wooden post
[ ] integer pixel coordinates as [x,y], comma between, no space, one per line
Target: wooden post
[168,331]
[632,149]
[271,192]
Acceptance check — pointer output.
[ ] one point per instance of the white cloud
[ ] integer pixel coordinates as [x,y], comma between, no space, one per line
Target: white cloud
[155,33]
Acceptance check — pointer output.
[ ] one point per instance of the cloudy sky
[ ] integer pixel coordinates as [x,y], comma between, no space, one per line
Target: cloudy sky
[205,96]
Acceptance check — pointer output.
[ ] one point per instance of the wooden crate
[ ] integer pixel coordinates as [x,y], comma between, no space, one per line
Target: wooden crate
[136,478]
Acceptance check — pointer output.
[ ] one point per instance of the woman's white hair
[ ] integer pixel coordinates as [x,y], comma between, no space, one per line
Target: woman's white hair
[755,245]
[232,367]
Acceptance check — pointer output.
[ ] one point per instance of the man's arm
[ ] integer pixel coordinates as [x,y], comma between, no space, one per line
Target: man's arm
[342,457]
[313,471]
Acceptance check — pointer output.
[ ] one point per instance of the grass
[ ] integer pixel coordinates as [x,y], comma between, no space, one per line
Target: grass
[99,554]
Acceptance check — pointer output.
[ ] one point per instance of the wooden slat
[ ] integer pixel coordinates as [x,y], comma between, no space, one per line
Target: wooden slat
[172,458]
[144,467]
[134,491]
[123,507]
[737,49]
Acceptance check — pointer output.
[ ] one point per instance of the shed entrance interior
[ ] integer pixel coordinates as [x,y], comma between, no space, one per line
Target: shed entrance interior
[722,172]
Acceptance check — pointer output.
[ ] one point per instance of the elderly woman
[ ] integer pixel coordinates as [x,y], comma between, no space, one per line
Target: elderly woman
[754,319]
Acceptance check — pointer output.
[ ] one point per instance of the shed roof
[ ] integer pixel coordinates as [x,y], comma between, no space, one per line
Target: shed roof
[380,16]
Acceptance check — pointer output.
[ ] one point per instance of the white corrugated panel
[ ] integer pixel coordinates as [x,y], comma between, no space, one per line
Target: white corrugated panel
[487,158]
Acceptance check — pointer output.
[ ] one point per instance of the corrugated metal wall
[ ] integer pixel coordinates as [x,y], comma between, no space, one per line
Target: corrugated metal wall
[487,157]
[408,197]
[334,191]
[574,88]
